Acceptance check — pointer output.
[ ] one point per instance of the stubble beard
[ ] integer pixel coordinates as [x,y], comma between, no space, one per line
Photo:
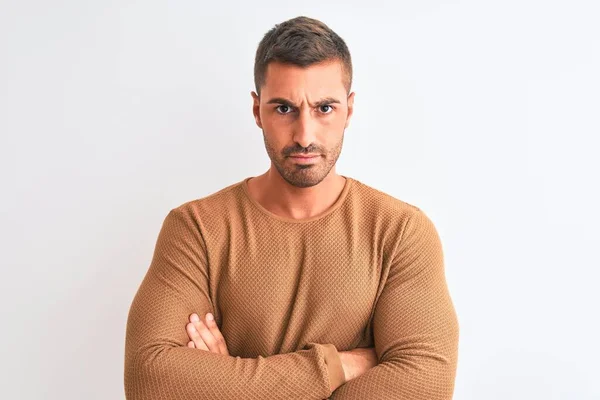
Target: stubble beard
[303,176]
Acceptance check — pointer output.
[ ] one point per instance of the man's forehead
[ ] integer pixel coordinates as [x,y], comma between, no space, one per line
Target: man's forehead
[295,83]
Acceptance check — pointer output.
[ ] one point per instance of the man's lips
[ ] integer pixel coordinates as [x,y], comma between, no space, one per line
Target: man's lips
[304,155]
[305,158]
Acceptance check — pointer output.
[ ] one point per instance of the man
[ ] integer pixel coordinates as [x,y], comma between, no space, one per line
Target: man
[298,283]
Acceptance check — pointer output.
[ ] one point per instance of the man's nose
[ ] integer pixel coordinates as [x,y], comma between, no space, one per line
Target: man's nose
[304,128]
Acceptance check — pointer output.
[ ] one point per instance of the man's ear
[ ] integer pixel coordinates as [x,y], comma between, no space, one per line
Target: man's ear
[350,108]
[256,108]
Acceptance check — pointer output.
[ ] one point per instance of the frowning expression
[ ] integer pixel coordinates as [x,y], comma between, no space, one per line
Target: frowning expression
[303,113]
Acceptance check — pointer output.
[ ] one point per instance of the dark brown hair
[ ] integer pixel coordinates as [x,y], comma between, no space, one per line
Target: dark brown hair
[301,41]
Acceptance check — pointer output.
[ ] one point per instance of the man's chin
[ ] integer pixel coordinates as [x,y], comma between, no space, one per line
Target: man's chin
[303,178]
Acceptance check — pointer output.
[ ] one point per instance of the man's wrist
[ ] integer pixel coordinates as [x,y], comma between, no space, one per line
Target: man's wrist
[337,373]
[345,367]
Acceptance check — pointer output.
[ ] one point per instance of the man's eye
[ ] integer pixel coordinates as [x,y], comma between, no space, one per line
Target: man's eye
[283,109]
[328,109]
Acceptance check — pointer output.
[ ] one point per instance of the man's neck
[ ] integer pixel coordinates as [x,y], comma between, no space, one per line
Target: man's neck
[275,194]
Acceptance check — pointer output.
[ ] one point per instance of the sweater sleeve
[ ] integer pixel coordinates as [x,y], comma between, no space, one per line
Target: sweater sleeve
[415,326]
[158,363]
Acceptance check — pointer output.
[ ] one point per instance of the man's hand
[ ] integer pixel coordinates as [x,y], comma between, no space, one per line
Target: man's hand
[358,361]
[206,335]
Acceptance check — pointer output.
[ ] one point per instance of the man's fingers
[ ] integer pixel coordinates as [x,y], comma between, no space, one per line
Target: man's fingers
[214,329]
[205,334]
[195,336]
[191,344]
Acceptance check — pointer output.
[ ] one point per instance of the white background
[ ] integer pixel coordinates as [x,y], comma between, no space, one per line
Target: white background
[485,114]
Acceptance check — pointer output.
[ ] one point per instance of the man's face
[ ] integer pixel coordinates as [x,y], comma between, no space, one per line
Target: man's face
[303,113]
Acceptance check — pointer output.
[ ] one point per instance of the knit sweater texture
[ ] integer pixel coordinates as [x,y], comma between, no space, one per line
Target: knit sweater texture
[288,295]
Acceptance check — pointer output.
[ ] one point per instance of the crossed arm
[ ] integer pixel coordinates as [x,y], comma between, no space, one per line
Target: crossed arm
[415,326]
[205,335]
[415,332]
[160,365]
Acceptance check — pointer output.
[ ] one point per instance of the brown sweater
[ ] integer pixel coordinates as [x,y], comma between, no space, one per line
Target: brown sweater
[288,295]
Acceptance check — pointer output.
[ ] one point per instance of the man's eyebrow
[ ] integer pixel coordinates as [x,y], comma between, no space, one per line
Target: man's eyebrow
[286,102]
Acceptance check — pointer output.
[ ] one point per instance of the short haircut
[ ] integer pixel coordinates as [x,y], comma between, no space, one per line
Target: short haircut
[301,41]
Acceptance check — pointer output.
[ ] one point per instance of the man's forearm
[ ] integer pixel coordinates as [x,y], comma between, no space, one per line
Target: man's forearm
[179,372]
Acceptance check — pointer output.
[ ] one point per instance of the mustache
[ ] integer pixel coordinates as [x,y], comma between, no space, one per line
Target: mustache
[297,149]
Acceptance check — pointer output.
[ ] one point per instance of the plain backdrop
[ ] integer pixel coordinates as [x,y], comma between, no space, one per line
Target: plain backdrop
[485,114]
